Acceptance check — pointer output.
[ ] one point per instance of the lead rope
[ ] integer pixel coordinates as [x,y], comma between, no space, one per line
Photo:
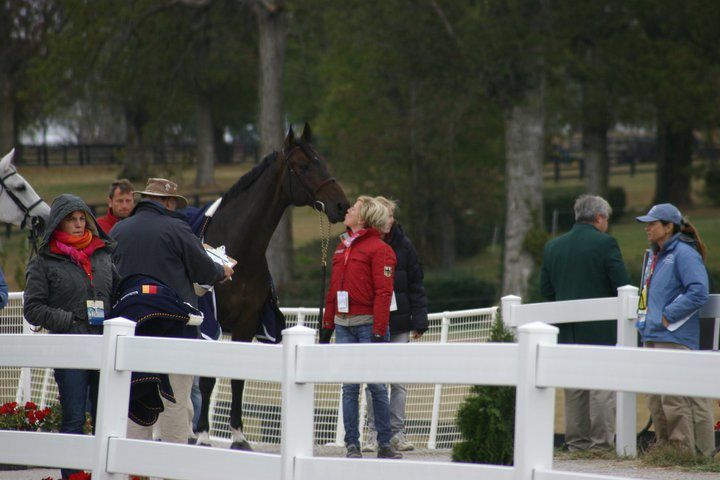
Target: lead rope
[324,242]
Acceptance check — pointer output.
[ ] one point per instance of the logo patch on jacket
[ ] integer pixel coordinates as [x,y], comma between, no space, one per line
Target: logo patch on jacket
[387,271]
[670,259]
[151,289]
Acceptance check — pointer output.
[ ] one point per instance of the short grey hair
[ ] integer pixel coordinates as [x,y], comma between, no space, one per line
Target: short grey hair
[587,207]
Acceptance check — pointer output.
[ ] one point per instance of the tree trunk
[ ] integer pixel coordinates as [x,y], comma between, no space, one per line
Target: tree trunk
[674,164]
[7,114]
[205,173]
[524,141]
[595,126]
[135,167]
[271,23]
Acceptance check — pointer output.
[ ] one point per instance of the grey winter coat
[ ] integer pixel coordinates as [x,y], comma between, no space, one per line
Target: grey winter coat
[157,242]
[57,288]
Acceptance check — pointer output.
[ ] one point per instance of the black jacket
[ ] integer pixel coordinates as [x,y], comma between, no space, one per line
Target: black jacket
[158,243]
[57,289]
[410,296]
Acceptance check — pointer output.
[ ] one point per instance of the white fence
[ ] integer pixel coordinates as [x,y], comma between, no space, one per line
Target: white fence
[622,308]
[431,409]
[536,365]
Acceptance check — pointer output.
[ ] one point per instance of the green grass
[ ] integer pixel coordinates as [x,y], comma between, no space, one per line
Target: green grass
[671,456]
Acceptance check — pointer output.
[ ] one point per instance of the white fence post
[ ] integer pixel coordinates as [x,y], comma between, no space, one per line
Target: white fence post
[506,304]
[298,403]
[437,394]
[626,415]
[24,391]
[113,397]
[534,406]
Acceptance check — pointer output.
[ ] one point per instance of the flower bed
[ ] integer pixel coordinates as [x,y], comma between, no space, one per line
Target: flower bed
[29,417]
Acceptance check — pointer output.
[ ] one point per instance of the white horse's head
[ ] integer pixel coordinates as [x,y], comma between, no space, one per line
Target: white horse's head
[18,200]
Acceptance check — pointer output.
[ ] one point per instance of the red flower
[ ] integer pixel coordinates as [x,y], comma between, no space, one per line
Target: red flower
[717,427]
[30,406]
[80,476]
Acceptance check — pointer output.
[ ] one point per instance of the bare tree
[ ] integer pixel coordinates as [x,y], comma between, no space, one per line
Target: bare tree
[271,44]
[524,141]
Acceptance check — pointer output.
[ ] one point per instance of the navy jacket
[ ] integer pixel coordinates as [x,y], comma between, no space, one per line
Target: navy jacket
[410,296]
[158,243]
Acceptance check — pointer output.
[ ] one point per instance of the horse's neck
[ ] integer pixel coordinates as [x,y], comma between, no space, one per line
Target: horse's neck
[245,223]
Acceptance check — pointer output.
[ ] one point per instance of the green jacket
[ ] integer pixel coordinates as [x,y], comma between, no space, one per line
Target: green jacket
[583,263]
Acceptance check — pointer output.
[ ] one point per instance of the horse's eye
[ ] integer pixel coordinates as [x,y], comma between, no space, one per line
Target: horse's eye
[21,188]
[304,168]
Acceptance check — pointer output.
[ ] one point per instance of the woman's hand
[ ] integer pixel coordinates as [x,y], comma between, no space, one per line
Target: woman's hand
[666,324]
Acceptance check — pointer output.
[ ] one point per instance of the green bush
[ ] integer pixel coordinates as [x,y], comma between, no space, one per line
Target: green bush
[563,198]
[712,184]
[486,419]
[456,290]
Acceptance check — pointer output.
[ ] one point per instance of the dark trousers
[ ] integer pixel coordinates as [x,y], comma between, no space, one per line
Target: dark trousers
[78,394]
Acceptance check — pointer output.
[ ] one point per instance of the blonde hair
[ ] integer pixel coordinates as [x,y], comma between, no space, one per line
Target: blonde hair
[391,205]
[373,213]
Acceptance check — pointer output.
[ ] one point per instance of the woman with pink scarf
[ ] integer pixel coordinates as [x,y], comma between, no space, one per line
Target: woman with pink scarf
[69,287]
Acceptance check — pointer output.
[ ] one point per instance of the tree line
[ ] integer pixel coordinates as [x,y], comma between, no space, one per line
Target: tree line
[448,106]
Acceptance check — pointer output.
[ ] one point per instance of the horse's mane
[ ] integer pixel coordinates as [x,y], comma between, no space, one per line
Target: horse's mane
[249,178]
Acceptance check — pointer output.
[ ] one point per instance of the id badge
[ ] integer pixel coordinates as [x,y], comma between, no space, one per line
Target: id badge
[342,301]
[393,303]
[95,312]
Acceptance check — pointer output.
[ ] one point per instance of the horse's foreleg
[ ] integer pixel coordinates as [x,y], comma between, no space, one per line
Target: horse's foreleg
[203,428]
[239,442]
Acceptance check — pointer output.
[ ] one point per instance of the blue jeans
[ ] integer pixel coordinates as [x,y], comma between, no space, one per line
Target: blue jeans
[78,394]
[351,391]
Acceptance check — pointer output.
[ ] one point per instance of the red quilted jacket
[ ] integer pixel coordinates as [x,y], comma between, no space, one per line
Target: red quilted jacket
[365,270]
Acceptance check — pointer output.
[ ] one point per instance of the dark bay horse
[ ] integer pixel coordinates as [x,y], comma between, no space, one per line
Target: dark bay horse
[246,219]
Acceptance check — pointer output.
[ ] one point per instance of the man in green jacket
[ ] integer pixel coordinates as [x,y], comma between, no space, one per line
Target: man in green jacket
[586,263]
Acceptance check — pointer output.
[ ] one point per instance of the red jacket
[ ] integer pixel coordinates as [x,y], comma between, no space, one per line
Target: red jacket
[108,221]
[366,271]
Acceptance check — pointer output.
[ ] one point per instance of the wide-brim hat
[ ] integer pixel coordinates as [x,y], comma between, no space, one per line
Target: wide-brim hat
[667,212]
[161,187]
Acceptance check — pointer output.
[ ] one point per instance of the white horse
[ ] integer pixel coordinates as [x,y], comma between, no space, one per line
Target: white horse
[19,203]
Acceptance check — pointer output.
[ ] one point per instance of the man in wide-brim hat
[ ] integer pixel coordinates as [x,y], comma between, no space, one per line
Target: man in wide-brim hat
[163,191]
[156,241]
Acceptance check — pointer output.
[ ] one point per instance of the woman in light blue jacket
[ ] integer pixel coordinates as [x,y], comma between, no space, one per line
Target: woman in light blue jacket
[674,288]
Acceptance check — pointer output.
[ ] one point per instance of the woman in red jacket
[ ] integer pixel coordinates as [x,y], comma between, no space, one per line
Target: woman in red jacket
[358,308]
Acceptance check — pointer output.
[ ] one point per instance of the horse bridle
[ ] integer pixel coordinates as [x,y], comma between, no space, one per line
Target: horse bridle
[35,222]
[312,193]
[17,201]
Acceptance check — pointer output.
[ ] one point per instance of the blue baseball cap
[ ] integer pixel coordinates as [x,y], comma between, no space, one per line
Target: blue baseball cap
[667,212]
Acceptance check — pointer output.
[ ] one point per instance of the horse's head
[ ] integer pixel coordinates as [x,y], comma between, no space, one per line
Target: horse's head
[19,203]
[308,181]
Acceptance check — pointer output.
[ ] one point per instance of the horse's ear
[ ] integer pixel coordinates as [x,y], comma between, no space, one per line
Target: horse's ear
[307,134]
[289,139]
[7,160]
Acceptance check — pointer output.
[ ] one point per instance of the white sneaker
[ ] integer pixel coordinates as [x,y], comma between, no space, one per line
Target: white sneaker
[371,445]
[401,443]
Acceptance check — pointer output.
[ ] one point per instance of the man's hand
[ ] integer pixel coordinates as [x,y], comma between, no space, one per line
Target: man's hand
[665,322]
[416,335]
[228,273]
[325,335]
[377,338]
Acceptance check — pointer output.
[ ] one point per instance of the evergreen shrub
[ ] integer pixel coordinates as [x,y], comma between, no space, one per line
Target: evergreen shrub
[486,419]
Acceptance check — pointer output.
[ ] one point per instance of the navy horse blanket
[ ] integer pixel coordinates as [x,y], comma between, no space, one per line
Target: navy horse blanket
[272,320]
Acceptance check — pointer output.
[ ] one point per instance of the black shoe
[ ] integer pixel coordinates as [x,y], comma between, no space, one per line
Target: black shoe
[353,451]
[387,451]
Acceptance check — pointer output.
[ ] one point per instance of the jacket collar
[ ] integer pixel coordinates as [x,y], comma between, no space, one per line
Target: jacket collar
[584,226]
[155,207]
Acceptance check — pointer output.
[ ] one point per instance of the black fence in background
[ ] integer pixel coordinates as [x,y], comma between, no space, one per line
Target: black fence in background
[100,209]
[44,155]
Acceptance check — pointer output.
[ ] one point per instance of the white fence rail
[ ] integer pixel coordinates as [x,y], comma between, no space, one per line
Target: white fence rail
[536,365]
[431,409]
[620,365]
